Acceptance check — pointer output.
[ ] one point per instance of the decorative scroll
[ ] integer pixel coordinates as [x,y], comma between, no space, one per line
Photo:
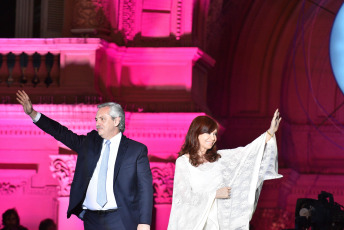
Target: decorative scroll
[163,174]
[85,14]
[7,188]
[63,168]
[90,14]
[128,19]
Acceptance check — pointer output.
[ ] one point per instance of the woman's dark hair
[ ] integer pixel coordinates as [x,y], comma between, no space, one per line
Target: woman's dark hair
[199,125]
[8,213]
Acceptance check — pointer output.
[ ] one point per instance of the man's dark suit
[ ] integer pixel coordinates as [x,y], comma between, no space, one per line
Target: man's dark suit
[132,177]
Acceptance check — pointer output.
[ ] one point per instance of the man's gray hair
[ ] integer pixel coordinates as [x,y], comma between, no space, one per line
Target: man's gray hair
[115,111]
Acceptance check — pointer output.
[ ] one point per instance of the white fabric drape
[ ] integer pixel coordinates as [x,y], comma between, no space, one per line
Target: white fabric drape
[244,169]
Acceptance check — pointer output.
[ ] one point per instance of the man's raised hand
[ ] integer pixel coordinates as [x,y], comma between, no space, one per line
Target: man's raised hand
[25,101]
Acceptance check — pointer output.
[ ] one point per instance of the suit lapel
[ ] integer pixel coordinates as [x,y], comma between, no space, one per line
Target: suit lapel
[122,149]
[94,158]
[98,146]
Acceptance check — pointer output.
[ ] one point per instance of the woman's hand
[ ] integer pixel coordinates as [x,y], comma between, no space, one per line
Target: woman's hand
[223,193]
[274,125]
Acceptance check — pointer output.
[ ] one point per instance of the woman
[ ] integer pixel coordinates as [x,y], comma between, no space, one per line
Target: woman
[220,189]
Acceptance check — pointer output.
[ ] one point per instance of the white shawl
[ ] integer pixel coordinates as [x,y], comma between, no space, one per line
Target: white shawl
[244,169]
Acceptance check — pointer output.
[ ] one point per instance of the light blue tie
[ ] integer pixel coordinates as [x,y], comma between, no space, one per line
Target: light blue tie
[101,187]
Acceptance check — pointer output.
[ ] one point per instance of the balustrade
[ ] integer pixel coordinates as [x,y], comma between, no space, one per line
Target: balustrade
[55,70]
[27,69]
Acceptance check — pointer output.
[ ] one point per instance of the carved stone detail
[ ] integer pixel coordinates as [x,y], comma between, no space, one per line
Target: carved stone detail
[179,19]
[63,168]
[7,188]
[90,14]
[128,19]
[163,174]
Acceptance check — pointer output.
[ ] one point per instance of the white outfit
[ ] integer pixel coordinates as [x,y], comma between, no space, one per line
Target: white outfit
[244,169]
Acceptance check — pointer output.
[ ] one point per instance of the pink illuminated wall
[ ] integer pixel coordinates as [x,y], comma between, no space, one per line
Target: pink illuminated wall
[130,22]
[154,78]
[36,171]
[166,62]
[35,167]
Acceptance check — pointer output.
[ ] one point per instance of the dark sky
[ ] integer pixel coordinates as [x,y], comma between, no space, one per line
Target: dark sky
[7,18]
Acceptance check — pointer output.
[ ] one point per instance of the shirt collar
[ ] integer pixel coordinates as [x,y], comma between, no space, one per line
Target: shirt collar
[115,139]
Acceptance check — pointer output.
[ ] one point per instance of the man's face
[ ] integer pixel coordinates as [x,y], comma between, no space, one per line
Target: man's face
[106,126]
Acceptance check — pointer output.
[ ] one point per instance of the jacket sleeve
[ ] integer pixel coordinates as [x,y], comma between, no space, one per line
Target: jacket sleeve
[60,133]
[145,186]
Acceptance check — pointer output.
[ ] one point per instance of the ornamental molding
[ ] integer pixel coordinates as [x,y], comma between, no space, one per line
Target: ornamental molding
[11,130]
[163,174]
[80,119]
[127,17]
[90,14]
[47,190]
[63,168]
[10,188]
[52,45]
[82,128]
[313,191]
[179,19]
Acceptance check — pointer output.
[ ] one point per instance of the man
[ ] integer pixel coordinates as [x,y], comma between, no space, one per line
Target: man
[11,220]
[112,185]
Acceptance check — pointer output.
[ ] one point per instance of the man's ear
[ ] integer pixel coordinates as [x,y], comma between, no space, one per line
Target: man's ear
[117,120]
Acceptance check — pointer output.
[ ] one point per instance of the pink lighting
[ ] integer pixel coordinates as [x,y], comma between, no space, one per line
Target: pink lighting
[167,61]
[166,68]
[35,168]
[152,75]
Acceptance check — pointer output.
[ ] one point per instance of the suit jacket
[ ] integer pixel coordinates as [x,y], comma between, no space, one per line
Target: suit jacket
[132,177]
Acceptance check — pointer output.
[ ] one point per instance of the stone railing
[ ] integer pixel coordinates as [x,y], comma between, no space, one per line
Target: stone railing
[53,65]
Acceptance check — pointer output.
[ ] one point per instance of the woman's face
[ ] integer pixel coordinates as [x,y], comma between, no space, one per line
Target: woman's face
[207,140]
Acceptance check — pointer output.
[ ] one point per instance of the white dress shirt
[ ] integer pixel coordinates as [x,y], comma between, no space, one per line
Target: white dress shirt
[90,201]
[37,117]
